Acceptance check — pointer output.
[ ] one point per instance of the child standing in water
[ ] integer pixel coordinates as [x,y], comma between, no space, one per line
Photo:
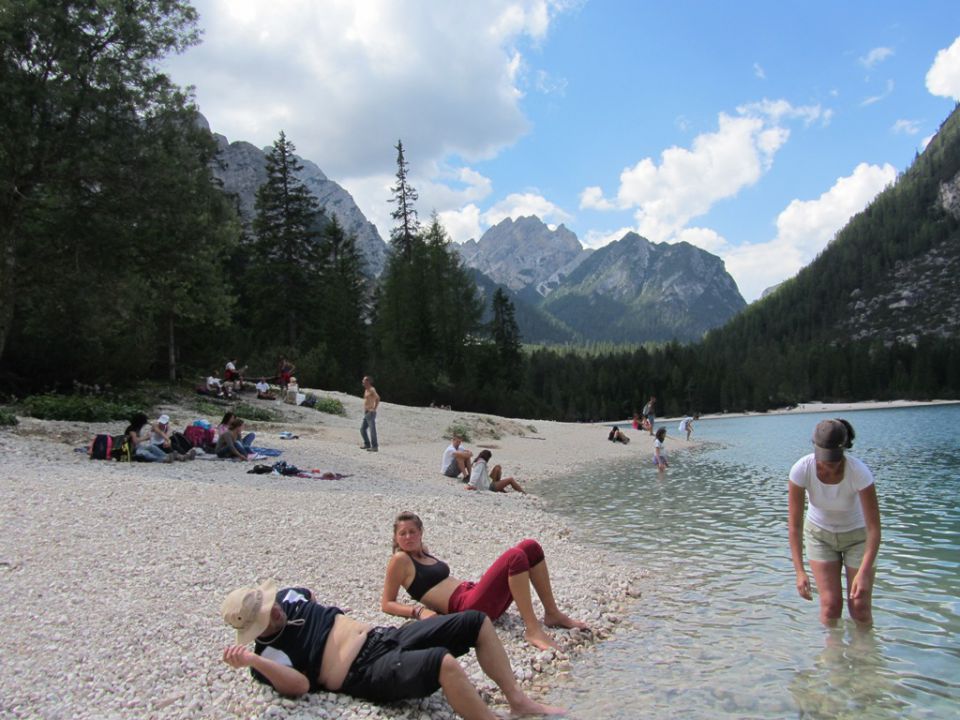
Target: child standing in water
[659,454]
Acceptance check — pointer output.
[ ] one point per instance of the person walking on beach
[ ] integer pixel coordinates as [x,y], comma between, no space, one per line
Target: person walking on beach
[302,646]
[659,454]
[456,461]
[650,412]
[842,529]
[371,401]
[427,580]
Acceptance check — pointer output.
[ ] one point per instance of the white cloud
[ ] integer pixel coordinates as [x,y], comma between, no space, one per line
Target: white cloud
[599,238]
[346,78]
[688,182]
[943,77]
[875,57]
[803,229]
[759,72]
[925,142]
[907,127]
[518,205]
[462,224]
[887,90]
[705,238]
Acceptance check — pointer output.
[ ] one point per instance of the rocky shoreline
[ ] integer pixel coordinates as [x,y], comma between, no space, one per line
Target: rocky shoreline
[114,573]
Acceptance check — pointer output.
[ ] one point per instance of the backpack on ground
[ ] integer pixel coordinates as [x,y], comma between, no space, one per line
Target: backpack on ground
[101,447]
[180,443]
[123,452]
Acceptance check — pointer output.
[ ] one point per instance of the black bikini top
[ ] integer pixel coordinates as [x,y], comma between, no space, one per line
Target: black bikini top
[427,577]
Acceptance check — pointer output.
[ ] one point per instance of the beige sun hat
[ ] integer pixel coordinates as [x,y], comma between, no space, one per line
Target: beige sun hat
[247,610]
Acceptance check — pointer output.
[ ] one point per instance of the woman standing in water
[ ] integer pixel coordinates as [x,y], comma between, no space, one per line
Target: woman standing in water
[842,529]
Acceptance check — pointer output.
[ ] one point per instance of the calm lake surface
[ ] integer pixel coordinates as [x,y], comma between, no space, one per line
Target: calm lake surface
[722,632]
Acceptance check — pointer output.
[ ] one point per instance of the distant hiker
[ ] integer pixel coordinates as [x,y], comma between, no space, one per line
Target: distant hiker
[659,454]
[842,529]
[371,401]
[285,372]
[456,461]
[650,412]
[480,479]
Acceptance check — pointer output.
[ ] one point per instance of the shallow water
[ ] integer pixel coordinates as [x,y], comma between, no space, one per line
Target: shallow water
[721,630]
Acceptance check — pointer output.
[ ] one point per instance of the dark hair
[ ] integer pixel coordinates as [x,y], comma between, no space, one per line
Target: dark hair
[851,435]
[407,516]
[227,417]
[235,423]
[136,422]
[661,434]
[484,455]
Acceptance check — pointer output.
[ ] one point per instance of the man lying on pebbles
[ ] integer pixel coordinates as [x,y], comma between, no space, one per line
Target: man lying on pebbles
[302,646]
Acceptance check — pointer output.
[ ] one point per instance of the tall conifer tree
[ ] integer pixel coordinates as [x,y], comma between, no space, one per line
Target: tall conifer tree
[404,233]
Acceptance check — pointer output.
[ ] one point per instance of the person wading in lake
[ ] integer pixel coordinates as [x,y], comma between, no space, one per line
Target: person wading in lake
[508,580]
[842,528]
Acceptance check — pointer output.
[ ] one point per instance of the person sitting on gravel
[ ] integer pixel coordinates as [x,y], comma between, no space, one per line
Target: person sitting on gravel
[229,444]
[302,646]
[617,435]
[427,580]
[456,461]
[481,480]
[140,433]
[263,391]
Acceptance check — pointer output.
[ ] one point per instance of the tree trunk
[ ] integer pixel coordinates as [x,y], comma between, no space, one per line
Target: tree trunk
[8,287]
[172,349]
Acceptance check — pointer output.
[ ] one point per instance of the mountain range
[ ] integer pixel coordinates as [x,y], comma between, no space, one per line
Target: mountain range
[630,291]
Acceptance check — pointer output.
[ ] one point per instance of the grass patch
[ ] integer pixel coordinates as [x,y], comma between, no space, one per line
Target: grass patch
[459,429]
[252,412]
[7,419]
[330,405]
[209,408]
[78,408]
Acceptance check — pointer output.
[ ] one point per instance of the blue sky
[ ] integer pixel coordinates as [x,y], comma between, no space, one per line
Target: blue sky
[753,130]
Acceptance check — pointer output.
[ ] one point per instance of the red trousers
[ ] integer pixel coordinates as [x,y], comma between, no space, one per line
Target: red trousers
[492,594]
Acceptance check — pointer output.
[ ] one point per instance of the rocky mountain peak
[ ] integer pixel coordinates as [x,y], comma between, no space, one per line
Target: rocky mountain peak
[242,168]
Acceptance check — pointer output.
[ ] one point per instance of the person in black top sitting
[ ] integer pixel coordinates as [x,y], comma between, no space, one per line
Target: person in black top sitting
[302,646]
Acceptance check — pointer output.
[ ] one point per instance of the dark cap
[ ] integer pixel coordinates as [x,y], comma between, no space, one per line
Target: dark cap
[829,440]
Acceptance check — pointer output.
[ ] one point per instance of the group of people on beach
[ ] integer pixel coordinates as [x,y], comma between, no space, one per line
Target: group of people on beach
[158,442]
[301,645]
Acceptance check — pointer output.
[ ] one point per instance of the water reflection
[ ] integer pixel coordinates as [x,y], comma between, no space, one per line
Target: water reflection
[720,629]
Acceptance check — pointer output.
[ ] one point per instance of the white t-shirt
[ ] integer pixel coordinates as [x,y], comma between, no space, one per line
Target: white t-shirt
[835,508]
[683,424]
[447,458]
[479,479]
[262,387]
[231,366]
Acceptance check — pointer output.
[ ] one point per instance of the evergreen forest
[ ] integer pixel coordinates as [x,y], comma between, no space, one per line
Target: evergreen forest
[121,259]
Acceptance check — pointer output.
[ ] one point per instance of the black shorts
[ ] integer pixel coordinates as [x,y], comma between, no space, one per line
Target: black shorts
[404,662]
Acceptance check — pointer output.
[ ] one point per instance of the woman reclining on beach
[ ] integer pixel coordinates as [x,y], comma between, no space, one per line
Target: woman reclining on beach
[428,580]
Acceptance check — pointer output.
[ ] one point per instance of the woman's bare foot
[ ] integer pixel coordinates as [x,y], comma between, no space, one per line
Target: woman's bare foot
[538,638]
[563,621]
[522,705]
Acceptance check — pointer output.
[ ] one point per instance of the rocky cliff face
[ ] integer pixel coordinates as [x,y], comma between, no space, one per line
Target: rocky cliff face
[241,167]
[524,253]
[919,298]
[633,290]
[629,291]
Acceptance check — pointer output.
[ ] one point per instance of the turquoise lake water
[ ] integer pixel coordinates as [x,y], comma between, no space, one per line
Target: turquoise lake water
[721,631]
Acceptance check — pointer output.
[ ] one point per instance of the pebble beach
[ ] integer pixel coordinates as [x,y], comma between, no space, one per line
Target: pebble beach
[113,573]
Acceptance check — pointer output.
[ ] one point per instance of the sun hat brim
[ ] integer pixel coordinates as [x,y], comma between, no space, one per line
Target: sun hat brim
[251,633]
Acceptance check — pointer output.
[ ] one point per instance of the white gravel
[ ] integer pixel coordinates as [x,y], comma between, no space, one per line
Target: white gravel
[112,574]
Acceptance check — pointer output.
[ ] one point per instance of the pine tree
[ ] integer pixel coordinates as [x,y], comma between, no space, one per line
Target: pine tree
[288,261]
[506,337]
[404,234]
[344,307]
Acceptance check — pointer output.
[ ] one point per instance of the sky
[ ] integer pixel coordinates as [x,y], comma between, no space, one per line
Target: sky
[754,130]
